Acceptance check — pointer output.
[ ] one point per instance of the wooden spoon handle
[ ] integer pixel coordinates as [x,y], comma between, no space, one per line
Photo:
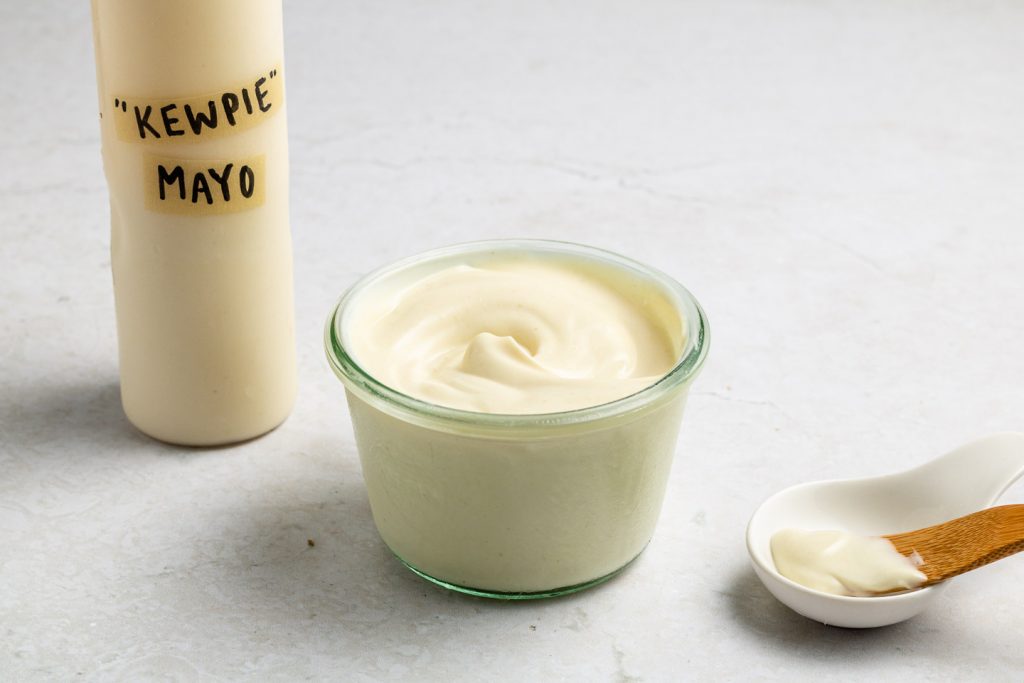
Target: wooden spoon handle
[966,543]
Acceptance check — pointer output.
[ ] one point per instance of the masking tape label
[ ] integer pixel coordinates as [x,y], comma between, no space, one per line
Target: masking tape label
[194,187]
[209,116]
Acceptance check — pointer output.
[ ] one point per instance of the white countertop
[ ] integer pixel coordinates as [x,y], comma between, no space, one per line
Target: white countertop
[840,184]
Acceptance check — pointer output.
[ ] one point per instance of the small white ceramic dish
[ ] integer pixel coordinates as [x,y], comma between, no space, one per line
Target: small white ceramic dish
[967,479]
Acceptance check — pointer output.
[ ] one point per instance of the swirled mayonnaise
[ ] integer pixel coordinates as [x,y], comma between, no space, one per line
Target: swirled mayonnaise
[510,498]
[512,334]
[842,563]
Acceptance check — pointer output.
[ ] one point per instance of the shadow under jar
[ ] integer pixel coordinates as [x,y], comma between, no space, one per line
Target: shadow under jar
[519,506]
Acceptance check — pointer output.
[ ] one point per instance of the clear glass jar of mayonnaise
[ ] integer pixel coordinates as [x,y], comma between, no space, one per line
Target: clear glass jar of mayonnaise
[518,505]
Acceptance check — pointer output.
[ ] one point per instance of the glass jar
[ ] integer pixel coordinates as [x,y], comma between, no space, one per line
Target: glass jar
[517,506]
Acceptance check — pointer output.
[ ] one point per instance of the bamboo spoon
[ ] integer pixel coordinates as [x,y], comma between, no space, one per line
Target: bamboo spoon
[960,545]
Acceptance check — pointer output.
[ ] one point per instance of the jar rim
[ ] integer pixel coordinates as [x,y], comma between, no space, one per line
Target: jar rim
[364,384]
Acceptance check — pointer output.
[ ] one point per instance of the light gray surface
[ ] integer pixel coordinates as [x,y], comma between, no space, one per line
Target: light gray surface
[840,184]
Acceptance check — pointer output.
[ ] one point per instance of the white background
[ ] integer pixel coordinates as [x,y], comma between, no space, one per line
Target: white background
[840,184]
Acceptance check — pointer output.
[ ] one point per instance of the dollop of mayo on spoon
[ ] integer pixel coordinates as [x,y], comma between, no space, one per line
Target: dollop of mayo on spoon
[842,563]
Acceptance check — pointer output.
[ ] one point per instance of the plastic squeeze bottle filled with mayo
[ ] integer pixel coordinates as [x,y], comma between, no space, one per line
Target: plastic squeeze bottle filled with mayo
[195,153]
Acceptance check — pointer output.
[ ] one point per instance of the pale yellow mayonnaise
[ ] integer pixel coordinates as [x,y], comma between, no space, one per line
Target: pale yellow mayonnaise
[195,152]
[516,335]
[841,563]
[533,506]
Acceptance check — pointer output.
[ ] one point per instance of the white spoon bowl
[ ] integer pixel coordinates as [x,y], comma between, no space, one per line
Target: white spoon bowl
[967,479]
